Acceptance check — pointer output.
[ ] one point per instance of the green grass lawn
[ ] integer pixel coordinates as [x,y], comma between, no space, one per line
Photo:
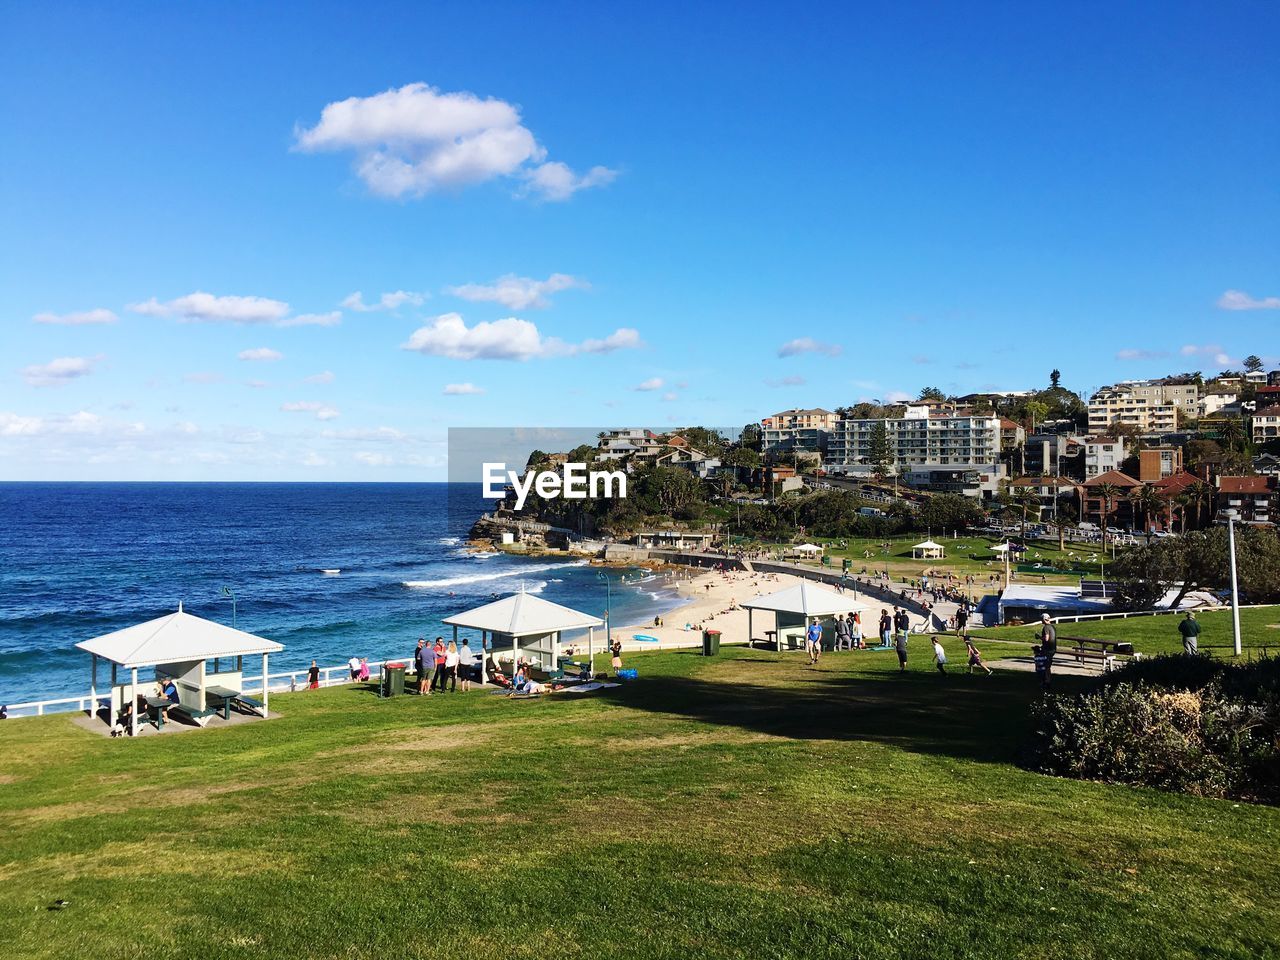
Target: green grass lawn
[1259,632]
[743,806]
[967,555]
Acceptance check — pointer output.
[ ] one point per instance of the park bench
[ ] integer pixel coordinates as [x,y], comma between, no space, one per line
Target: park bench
[198,717]
[1094,650]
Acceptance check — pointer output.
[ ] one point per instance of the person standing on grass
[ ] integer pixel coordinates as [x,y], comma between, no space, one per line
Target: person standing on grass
[1048,638]
[466,666]
[900,645]
[813,637]
[939,655]
[313,677]
[962,619]
[422,666]
[975,658]
[1190,630]
[451,668]
[886,627]
[854,623]
[844,640]
[901,621]
[439,655]
[615,655]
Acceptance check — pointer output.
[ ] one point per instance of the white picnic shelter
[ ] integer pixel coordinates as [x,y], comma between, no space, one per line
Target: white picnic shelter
[795,607]
[528,623]
[807,548]
[928,551]
[179,646]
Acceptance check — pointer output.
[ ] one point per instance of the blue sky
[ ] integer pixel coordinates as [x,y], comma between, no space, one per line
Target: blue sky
[906,194]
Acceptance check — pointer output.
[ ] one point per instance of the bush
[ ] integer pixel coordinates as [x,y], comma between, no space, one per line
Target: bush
[1181,723]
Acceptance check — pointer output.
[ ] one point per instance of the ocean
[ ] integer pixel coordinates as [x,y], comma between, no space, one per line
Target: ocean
[78,560]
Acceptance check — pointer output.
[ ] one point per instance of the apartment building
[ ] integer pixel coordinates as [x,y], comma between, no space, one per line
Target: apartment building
[1266,424]
[1102,455]
[1249,496]
[933,450]
[1156,463]
[797,430]
[1151,406]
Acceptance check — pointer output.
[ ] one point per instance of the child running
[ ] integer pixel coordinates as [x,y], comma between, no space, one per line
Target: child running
[939,655]
[975,658]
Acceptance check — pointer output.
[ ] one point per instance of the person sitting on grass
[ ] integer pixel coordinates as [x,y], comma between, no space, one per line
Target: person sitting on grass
[975,658]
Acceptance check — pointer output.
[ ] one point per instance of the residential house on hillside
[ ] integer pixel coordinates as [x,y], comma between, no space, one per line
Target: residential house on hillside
[797,430]
[1266,424]
[1155,463]
[1250,496]
[685,457]
[1102,455]
[1267,465]
[1119,512]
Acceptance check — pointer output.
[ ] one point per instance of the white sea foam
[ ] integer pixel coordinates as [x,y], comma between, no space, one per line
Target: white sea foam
[449,541]
[521,571]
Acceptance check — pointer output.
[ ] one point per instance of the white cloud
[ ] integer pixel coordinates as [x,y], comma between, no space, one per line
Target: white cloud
[58,371]
[801,345]
[670,396]
[313,459]
[203,377]
[260,354]
[1239,300]
[555,181]
[205,307]
[416,139]
[388,301]
[331,319]
[82,423]
[373,459]
[1210,350]
[1132,354]
[517,293]
[324,377]
[461,389]
[653,383]
[897,396]
[83,318]
[508,339]
[322,411]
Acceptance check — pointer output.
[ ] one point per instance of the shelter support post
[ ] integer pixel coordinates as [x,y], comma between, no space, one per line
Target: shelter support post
[591,647]
[133,701]
[265,684]
[93,687]
[484,656]
[750,632]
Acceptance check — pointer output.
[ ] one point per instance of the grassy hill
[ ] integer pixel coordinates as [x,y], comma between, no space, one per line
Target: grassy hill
[745,806]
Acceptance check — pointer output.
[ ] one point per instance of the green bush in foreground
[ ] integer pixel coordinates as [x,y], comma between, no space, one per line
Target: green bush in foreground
[1180,723]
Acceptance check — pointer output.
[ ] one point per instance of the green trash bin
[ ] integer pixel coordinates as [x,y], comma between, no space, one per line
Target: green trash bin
[392,679]
[710,643]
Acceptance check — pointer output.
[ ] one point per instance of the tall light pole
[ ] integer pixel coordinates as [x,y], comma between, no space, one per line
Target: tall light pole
[608,620]
[1232,516]
[228,592]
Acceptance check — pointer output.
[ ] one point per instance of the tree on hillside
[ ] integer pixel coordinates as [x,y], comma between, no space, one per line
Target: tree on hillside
[1147,500]
[1198,561]
[932,394]
[1036,411]
[881,451]
[1110,494]
[751,435]
[1055,379]
[1253,363]
[948,511]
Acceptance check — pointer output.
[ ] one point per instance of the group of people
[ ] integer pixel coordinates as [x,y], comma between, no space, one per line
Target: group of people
[894,630]
[444,665]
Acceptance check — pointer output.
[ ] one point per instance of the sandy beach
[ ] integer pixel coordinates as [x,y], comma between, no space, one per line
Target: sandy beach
[710,596]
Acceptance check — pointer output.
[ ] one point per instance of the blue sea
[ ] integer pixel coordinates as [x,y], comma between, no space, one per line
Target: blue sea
[78,560]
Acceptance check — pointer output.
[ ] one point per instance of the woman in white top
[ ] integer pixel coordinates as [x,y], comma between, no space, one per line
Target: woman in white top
[450,668]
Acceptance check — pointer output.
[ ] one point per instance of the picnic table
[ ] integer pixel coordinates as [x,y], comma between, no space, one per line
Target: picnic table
[1095,649]
[158,706]
[223,697]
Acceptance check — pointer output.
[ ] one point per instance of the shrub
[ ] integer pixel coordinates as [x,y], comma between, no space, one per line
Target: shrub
[1181,723]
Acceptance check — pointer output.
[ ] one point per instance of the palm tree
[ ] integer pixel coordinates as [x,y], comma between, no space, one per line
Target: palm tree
[1110,494]
[1148,500]
[1200,495]
[1026,499]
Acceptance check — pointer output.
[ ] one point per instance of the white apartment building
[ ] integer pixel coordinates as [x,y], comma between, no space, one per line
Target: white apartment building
[1102,454]
[941,452]
[1149,405]
[1266,424]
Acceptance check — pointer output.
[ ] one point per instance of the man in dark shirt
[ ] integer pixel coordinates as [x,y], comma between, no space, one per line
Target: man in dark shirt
[1048,647]
[1190,631]
[423,662]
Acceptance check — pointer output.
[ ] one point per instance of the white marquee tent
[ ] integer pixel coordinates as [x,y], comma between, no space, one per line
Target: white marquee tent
[928,551]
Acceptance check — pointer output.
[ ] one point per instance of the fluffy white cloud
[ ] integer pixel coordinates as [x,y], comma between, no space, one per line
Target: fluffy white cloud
[322,411]
[205,307]
[331,319]
[260,354]
[1210,350]
[83,318]
[417,139]
[653,383]
[58,371]
[1239,300]
[82,423]
[517,293]
[801,345]
[388,301]
[323,377]
[555,181]
[461,389]
[509,339]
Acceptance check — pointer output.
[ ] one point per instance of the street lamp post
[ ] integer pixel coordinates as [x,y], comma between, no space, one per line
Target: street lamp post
[608,620]
[1232,516]
[228,592]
